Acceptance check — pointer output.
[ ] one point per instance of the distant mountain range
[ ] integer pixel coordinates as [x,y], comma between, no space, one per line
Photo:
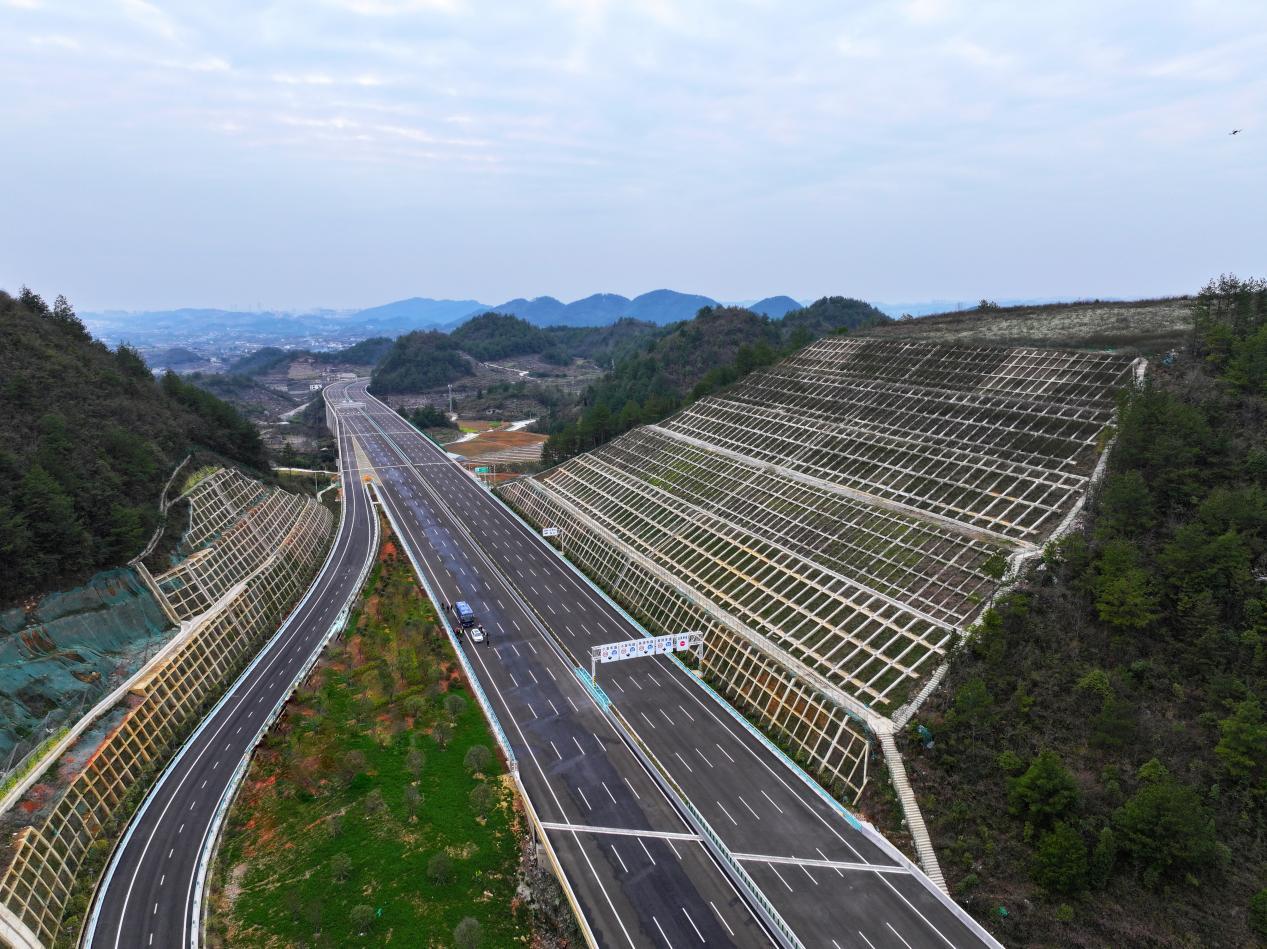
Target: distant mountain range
[158,327]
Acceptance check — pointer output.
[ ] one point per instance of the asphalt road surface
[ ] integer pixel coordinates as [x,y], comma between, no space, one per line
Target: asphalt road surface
[148,898]
[639,874]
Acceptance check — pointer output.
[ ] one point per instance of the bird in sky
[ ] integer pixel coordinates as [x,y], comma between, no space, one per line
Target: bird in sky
[1234,132]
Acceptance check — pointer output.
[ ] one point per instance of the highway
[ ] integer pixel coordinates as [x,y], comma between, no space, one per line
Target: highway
[148,897]
[641,876]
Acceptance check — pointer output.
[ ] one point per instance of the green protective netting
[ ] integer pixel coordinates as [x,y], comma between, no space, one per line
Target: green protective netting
[64,655]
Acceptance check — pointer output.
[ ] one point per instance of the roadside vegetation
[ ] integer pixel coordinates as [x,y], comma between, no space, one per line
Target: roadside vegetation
[1099,768]
[376,811]
[89,437]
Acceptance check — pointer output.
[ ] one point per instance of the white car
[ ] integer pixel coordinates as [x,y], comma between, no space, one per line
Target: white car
[476,633]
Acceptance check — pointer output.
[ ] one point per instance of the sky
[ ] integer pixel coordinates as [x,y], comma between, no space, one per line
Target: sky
[343,153]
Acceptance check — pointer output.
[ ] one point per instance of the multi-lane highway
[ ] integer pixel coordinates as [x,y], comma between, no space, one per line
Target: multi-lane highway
[147,897]
[641,874]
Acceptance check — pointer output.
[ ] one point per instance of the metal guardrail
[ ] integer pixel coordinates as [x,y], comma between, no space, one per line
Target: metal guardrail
[212,839]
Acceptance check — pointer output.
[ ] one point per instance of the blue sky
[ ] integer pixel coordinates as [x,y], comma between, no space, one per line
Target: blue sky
[347,152]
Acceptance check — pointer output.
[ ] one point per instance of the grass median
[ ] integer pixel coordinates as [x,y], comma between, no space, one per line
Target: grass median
[376,810]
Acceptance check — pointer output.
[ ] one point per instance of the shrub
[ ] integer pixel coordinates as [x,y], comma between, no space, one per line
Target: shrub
[1046,791]
[454,705]
[1060,863]
[340,867]
[481,798]
[468,934]
[1258,913]
[1167,828]
[478,758]
[362,917]
[440,868]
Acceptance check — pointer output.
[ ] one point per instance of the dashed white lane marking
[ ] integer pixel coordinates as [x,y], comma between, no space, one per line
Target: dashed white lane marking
[706,761]
[749,806]
[898,934]
[556,750]
[721,917]
[780,876]
[776,806]
[725,752]
[684,764]
[662,935]
[588,805]
[578,745]
[692,922]
[727,813]
[620,858]
[839,872]
[646,851]
[634,789]
[609,791]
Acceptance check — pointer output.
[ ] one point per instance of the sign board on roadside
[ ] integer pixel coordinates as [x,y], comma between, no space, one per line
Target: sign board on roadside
[549,532]
[481,470]
[650,646]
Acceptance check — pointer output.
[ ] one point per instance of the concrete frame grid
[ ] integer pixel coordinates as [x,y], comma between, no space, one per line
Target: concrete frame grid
[47,858]
[192,586]
[746,677]
[828,522]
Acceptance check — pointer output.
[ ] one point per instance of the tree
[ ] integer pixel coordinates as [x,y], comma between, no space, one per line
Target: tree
[362,917]
[374,803]
[414,762]
[1167,828]
[1123,589]
[468,934]
[442,733]
[478,758]
[1258,913]
[1242,746]
[454,705]
[413,800]
[340,867]
[1103,857]
[1046,791]
[481,799]
[440,868]
[1060,863]
[1126,505]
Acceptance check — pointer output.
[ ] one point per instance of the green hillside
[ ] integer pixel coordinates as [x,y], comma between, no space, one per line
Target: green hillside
[687,361]
[87,439]
[1099,770]
[420,360]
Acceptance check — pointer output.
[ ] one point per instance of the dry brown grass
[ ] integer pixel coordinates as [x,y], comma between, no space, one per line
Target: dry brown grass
[1139,326]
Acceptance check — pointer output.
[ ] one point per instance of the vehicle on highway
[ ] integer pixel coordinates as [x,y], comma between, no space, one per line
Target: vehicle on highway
[477,634]
[465,615]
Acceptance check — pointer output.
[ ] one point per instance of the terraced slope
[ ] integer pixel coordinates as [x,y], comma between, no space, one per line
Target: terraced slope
[836,521]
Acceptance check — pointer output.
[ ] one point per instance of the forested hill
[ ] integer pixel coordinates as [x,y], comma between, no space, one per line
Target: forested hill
[1098,771]
[420,360]
[691,359]
[87,439]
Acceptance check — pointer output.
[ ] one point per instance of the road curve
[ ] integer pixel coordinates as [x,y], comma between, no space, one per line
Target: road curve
[148,896]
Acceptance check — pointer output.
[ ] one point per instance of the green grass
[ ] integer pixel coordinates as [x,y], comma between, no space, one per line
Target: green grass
[379,694]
